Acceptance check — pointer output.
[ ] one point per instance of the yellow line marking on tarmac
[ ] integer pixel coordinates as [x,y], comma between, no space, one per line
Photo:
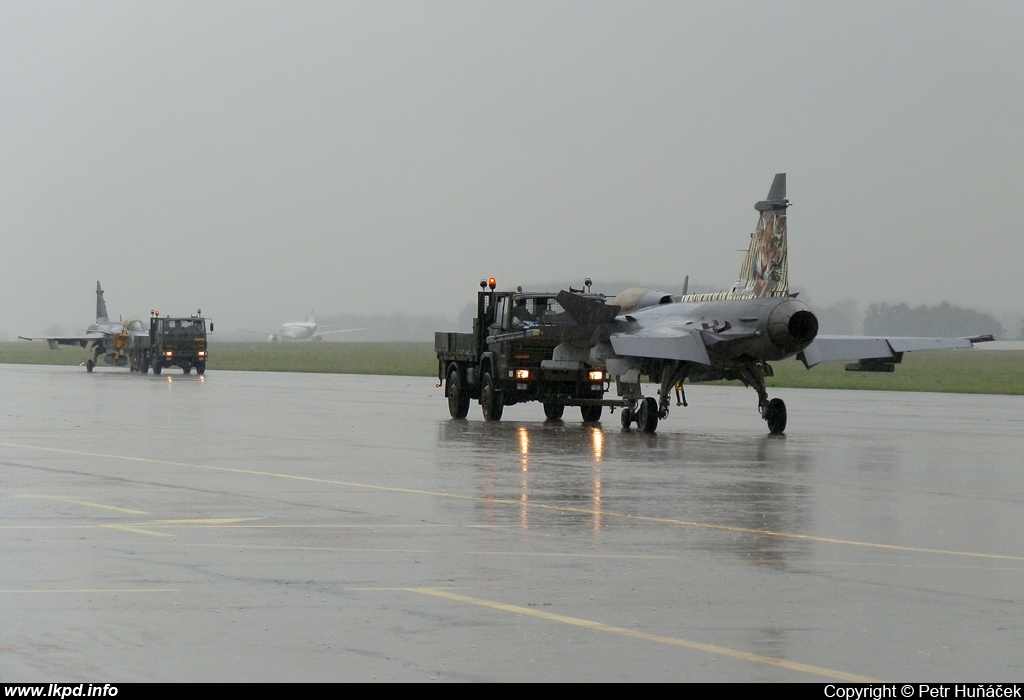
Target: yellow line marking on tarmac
[203,521]
[537,506]
[137,530]
[78,502]
[636,634]
[90,590]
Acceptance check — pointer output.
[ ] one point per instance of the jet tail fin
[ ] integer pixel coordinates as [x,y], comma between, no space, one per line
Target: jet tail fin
[765,270]
[101,306]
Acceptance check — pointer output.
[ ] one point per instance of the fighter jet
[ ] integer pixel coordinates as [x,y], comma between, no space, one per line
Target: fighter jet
[726,335]
[302,330]
[110,339]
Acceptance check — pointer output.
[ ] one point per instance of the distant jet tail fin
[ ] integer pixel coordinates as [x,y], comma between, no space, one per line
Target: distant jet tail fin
[765,270]
[101,306]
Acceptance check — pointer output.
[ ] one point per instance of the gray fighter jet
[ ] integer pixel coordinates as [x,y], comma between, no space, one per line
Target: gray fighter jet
[109,339]
[726,335]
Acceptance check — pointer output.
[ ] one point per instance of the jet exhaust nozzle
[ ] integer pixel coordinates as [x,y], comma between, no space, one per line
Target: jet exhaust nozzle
[792,325]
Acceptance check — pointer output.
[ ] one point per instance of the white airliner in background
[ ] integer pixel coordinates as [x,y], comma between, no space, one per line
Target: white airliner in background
[302,330]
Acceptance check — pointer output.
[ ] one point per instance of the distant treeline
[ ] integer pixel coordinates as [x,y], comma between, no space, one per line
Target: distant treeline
[941,321]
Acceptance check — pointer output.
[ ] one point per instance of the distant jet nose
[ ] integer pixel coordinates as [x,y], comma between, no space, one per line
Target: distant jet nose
[792,325]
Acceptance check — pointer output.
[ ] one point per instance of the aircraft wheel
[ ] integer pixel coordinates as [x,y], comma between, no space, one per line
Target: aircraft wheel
[591,414]
[157,368]
[89,364]
[553,411]
[186,370]
[490,399]
[201,368]
[775,416]
[626,417]
[647,415]
[458,398]
[143,368]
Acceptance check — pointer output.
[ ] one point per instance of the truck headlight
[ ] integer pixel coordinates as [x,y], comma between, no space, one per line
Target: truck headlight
[522,374]
[596,375]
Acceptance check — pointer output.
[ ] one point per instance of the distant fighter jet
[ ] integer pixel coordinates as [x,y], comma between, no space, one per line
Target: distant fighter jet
[302,330]
[726,335]
[111,339]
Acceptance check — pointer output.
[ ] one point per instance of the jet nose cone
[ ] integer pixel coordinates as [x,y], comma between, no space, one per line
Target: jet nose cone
[792,325]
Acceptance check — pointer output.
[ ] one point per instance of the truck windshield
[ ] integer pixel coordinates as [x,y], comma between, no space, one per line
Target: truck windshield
[541,310]
[182,326]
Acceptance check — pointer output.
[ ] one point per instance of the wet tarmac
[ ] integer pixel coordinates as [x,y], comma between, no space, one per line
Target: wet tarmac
[286,527]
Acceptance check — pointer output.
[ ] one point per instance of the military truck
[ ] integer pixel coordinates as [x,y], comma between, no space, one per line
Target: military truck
[510,357]
[172,342]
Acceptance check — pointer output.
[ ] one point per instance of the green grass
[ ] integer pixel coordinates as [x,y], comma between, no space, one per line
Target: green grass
[952,371]
[407,359]
[959,371]
[410,359]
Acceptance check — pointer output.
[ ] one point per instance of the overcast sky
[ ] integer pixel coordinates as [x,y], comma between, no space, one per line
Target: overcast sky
[260,158]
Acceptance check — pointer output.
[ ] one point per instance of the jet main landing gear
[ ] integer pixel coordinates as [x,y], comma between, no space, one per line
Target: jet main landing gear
[772,411]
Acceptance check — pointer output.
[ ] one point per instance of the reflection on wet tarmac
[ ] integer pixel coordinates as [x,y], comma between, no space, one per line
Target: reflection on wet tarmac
[727,490]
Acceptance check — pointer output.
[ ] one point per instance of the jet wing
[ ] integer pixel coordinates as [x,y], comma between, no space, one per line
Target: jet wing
[666,343]
[80,340]
[832,348]
[343,330]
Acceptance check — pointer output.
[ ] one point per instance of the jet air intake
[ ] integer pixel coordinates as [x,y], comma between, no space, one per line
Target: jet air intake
[641,298]
[792,326]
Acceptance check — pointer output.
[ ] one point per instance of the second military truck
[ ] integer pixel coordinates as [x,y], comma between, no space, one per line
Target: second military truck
[509,357]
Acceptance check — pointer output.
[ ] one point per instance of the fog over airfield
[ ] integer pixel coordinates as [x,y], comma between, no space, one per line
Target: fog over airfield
[258,158]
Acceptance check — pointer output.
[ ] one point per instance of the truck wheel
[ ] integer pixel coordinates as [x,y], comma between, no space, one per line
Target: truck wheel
[554,411]
[490,399]
[458,398]
[591,414]
[201,368]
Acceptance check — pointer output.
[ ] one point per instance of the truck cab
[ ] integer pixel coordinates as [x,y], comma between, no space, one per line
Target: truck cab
[174,342]
[510,357]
